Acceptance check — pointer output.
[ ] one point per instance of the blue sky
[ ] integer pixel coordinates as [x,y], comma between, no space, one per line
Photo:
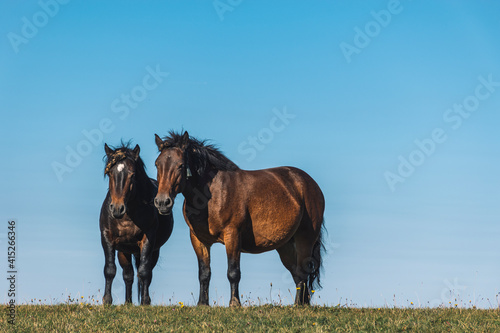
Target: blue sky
[361,83]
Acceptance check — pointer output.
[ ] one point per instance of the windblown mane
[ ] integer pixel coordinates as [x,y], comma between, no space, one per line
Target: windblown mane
[122,152]
[202,155]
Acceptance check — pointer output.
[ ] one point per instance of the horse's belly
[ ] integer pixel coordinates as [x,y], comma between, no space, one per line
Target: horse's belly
[272,228]
[262,238]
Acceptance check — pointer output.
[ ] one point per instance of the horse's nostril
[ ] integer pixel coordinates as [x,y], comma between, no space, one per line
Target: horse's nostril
[167,202]
[117,210]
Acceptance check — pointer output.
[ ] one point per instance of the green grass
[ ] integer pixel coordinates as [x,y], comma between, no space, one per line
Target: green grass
[92,318]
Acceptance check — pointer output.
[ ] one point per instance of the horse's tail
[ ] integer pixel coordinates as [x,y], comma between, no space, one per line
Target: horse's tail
[318,249]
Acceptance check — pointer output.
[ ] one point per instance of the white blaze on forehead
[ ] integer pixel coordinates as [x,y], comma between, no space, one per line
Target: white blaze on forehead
[120,167]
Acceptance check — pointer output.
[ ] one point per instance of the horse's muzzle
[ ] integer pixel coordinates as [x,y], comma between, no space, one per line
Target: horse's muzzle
[164,205]
[118,211]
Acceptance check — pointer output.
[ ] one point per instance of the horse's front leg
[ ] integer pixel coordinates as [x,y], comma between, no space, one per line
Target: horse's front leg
[145,271]
[203,253]
[109,269]
[233,250]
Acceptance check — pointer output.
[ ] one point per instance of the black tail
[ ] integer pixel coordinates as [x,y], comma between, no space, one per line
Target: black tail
[318,250]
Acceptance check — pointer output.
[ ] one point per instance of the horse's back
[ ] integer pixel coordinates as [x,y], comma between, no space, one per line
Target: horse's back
[304,189]
[291,180]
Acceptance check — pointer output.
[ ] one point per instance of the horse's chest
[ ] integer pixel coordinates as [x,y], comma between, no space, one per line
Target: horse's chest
[208,223]
[126,232]
[203,230]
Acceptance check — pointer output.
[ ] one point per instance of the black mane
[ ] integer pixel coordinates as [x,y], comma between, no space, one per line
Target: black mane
[122,152]
[201,154]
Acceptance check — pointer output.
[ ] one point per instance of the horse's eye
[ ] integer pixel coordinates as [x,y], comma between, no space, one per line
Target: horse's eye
[181,166]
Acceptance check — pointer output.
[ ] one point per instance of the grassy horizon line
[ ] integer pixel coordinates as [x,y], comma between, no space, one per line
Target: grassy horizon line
[268,318]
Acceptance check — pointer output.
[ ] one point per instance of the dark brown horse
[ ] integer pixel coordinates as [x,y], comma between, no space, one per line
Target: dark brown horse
[248,211]
[129,222]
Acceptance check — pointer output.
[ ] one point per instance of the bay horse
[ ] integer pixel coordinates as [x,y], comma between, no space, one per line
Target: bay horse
[129,222]
[248,211]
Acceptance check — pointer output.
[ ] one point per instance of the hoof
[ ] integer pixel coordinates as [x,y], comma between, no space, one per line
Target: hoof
[234,303]
[146,301]
[107,300]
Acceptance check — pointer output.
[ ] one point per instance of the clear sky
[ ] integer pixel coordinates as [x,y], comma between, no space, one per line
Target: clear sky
[391,106]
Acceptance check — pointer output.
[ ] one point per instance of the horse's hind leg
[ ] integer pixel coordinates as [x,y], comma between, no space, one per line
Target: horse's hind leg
[125,261]
[303,269]
[300,247]
[288,256]
[137,260]
[307,262]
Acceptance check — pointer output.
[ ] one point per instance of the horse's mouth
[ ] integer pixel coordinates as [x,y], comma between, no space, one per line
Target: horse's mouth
[118,216]
[165,211]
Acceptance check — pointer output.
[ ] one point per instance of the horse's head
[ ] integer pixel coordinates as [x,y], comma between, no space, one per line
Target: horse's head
[173,171]
[121,169]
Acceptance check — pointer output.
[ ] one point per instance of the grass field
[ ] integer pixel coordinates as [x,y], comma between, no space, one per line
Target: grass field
[90,318]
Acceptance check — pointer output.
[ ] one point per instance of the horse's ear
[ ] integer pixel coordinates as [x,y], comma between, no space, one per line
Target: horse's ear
[108,150]
[137,150]
[185,139]
[159,141]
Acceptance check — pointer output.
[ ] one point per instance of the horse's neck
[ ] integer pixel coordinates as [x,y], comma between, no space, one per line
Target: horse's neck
[197,186]
[144,194]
